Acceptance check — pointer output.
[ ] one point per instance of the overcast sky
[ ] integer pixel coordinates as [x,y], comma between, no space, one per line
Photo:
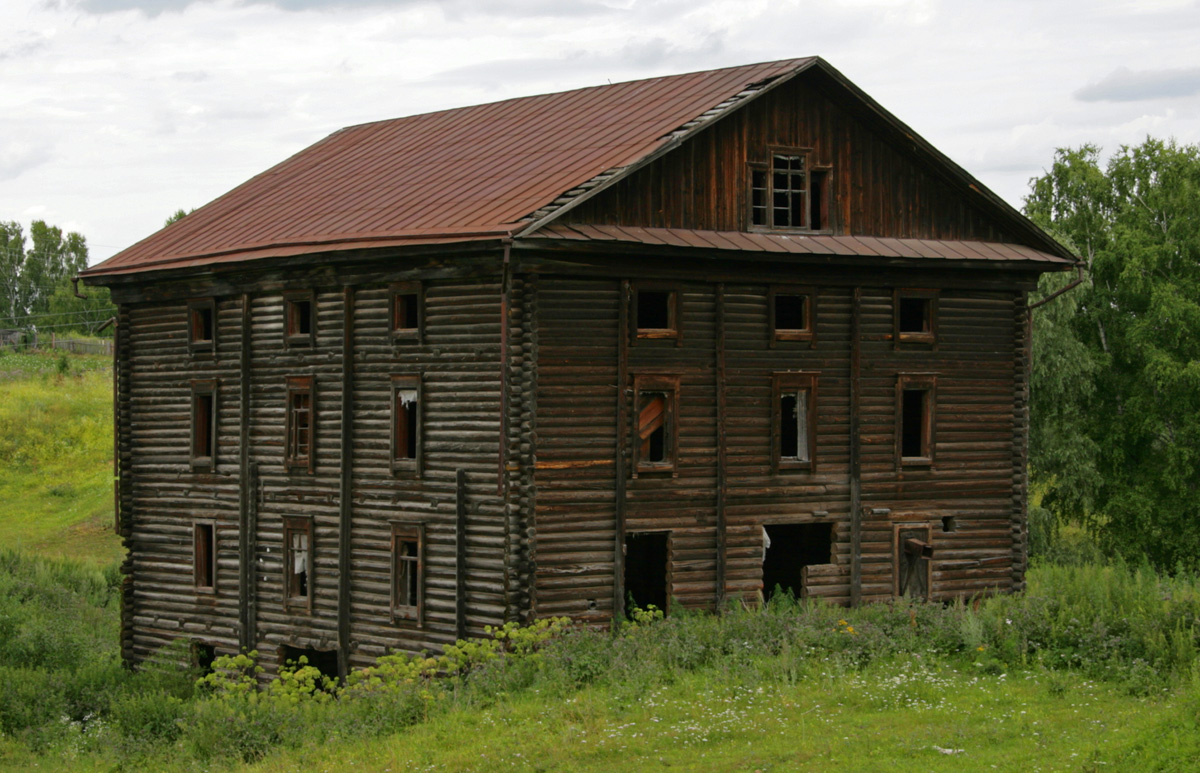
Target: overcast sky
[115,113]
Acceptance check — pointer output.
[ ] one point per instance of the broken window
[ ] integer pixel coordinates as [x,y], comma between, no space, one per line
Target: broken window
[656,423]
[298,562]
[204,425]
[914,419]
[407,311]
[647,565]
[204,556]
[325,661]
[787,192]
[203,656]
[791,315]
[300,318]
[406,423]
[408,572]
[202,330]
[787,549]
[916,316]
[911,561]
[655,312]
[300,423]
[794,420]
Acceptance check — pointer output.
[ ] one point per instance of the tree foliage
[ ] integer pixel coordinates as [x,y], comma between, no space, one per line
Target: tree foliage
[1115,388]
[35,280]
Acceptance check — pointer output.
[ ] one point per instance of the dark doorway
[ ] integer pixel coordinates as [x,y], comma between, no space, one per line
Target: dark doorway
[647,556]
[325,661]
[793,546]
[203,656]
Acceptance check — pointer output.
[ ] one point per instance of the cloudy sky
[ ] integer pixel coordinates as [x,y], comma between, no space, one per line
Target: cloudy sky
[115,113]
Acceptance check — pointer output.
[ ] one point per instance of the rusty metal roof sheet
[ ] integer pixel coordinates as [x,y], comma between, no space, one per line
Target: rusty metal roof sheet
[803,244]
[467,173]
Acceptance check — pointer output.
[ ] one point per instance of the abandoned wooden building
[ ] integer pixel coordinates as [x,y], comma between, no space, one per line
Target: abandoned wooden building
[683,340]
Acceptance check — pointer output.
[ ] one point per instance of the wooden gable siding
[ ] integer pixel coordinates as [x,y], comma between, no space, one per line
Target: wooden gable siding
[877,188]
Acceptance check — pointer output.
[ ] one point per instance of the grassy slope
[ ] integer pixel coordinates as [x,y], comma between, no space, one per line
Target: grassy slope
[56,456]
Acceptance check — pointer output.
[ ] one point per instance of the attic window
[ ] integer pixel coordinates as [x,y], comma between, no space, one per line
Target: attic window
[788,192]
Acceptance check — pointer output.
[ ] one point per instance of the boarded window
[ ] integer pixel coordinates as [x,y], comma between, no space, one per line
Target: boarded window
[406,424]
[794,421]
[915,418]
[204,425]
[298,562]
[915,316]
[656,312]
[407,311]
[647,570]
[788,193]
[300,423]
[300,318]
[912,554]
[787,549]
[204,556]
[408,572]
[656,423]
[202,330]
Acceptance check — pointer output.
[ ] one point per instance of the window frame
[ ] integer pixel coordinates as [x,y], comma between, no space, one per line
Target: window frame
[926,382]
[291,335]
[404,465]
[814,174]
[404,531]
[198,569]
[924,338]
[397,290]
[806,335]
[292,460]
[674,329]
[781,384]
[196,307]
[203,388]
[297,524]
[668,384]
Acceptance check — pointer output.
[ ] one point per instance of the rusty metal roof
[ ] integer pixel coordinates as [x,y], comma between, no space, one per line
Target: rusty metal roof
[802,244]
[461,174]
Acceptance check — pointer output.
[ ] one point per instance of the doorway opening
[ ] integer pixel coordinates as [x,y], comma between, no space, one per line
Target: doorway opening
[787,549]
[647,560]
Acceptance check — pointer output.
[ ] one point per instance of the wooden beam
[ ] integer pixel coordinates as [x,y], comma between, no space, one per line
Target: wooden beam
[855,450]
[722,482]
[345,491]
[619,455]
[460,553]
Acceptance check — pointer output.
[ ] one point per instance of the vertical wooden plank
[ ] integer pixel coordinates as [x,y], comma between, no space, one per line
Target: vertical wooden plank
[722,492]
[345,508]
[460,553]
[245,495]
[855,455]
[619,458]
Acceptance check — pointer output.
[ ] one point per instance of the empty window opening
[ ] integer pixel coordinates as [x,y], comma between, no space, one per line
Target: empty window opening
[408,572]
[914,315]
[791,312]
[913,552]
[406,423]
[405,312]
[203,656]
[949,523]
[793,426]
[914,423]
[299,318]
[325,661]
[298,561]
[647,556]
[407,557]
[204,559]
[201,325]
[202,426]
[787,549]
[818,216]
[654,310]
[653,416]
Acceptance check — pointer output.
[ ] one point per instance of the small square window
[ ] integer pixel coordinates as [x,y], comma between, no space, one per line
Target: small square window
[792,313]
[202,325]
[204,556]
[406,424]
[656,312]
[408,572]
[915,395]
[301,423]
[204,426]
[300,318]
[916,316]
[656,423]
[298,562]
[793,420]
[406,311]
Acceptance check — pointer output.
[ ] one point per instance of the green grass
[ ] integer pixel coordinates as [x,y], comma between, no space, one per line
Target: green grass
[56,456]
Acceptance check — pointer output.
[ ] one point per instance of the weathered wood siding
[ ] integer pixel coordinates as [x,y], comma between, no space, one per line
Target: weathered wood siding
[878,188]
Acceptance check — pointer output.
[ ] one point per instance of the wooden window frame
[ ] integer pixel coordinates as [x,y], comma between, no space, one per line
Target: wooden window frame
[670,386]
[199,560]
[901,526]
[196,308]
[291,457]
[408,532]
[806,335]
[782,383]
[198,462]
[397,291]
[674,329]
[301,524]
[413,466]
[814,174]
[291,333]
[924,338]
[926,382]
